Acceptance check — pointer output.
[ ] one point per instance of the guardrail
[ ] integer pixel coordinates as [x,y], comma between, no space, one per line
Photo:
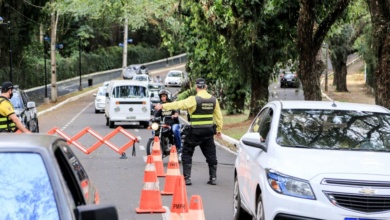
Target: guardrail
[71,85]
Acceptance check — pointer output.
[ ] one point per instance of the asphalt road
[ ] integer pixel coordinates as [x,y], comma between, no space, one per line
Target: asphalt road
[120,181]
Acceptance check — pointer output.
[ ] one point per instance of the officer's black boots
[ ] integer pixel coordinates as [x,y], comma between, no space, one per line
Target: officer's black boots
[213,175]
[187,173]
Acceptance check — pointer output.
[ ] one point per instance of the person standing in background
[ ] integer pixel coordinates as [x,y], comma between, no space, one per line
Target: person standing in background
[9,122]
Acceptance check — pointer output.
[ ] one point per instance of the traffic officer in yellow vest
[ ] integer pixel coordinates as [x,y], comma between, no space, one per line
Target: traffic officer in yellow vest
[206,121]
[9,122]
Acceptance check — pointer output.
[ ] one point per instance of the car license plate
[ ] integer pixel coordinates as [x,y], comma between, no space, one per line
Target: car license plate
[289,80]
[130,117]
[360,219]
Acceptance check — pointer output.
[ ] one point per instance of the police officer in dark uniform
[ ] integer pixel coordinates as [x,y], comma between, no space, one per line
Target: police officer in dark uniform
[205,122]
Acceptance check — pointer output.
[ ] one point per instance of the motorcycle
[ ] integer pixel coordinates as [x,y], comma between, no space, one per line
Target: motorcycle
[164,132]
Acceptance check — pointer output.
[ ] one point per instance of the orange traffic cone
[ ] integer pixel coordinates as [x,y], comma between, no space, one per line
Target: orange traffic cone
[179,207]
[195,211]
[157,156]
[173,171]
[150,195]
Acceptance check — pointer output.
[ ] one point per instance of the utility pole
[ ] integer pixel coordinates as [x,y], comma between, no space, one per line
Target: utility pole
[125,35]
[10,51]
[80,85]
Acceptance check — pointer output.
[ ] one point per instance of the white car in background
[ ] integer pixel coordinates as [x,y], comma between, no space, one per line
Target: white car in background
[127,101]
[314,160]
[142,78]
[175,78]
[100,99]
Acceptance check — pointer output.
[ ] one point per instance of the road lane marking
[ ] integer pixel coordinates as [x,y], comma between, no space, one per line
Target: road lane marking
[74,118]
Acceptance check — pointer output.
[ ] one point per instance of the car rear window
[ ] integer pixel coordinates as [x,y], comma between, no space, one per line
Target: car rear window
[102,91]
[289,76]
[25,189]
[334,129]
[174,74]
[155,87]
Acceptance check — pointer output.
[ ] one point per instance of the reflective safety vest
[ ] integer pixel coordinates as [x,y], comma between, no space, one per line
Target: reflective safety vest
[5,122]
[202,117]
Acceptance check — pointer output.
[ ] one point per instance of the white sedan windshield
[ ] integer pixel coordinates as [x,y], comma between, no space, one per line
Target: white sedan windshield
[334,129]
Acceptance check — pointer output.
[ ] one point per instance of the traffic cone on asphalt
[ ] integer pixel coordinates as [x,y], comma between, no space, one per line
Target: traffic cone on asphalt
[179,207]
[150,201]
[196,212]
[157,156]
[173,171]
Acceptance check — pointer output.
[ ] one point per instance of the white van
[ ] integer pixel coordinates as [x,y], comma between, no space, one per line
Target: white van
[127,101]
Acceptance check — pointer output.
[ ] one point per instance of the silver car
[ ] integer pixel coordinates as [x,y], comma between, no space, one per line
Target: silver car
[25,109]
[135,69]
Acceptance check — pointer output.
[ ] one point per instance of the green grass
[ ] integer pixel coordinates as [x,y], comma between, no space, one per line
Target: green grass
[235,125]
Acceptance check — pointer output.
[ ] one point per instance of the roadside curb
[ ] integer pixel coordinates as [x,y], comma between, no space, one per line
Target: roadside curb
[67,101]
[224,137]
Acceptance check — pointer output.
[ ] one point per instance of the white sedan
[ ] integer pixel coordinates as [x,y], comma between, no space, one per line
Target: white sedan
[314,160]
[100,99]
[175,78]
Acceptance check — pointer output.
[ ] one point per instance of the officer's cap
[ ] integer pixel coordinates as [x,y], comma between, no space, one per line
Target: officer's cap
[6,86]
[200,83]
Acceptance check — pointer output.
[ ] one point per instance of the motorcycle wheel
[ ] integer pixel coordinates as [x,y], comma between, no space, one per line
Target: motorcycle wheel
[149,146]
[166,146]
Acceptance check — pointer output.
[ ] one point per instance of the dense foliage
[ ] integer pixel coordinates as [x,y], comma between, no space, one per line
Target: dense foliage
[99,44]
[237,45]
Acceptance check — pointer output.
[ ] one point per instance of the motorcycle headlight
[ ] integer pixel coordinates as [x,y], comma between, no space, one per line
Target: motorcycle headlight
[155,126]
[290,186]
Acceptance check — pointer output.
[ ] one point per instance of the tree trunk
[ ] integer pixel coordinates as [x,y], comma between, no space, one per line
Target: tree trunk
[259,95]
[342,81]
[307,53]
[381,25]
[310,39]
[339,64]
[238,99]
[53,89]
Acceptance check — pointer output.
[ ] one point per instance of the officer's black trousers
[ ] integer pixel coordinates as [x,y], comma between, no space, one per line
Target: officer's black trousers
[206,145]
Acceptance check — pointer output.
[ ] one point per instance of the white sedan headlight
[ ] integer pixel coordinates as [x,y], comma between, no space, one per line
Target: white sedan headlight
[290,186]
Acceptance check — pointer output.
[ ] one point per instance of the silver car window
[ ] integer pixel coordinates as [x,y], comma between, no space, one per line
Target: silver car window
[334,129]
[16,100]
[25,189]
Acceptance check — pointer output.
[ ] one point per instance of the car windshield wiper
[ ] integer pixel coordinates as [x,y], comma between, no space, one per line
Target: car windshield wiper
[349,149]
[296,146]
[361,149]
